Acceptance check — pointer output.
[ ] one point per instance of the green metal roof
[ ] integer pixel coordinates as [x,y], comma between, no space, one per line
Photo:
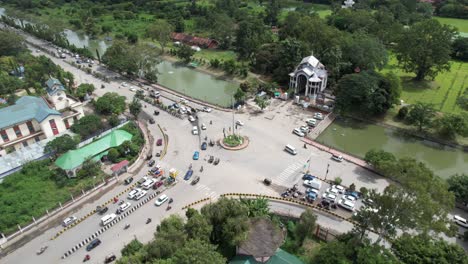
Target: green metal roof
[26,108]
[53,86]
[75,158]
[281,257]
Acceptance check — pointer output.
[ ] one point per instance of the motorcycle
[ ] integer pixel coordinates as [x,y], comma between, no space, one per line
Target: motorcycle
[86,258]
[116,199]
[40,251]
[201,169]
[121,202]
[170,200]
[168,208]
[126,226]
[148,220]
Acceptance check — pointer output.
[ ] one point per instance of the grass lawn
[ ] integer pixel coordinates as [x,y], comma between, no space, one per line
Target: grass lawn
[460,24]
[442,92]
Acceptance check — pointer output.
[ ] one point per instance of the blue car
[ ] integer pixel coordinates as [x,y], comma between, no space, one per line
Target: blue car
[203,146]
[311,196]
[351,193]
[188,175]
[308,176]
[196,155]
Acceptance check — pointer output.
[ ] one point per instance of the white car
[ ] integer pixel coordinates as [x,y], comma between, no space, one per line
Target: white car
[239,123]
[161,199]
[140,195]
[124,206]
[183,100]
[124,84]
[311,122]
[183,110]
[318,116]
[332,190]
[304,129]
[203,127]
[349,198]
[133,89]
[338,158]
[460,220]
[329,197]
[340,188]
[148,184]
[206,109]
[133,193]
[68,221]
[191,119]
[298,132]
[346,204]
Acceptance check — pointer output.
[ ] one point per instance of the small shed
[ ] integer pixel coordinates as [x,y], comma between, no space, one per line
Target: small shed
[119,168]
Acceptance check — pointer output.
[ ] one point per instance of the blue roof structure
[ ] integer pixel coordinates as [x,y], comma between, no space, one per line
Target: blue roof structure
[26,108]
[53,86]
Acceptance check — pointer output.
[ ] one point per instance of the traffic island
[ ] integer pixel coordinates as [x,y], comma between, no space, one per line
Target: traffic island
[234,142]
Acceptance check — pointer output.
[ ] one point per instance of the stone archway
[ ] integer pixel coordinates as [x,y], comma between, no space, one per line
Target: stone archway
[301,83]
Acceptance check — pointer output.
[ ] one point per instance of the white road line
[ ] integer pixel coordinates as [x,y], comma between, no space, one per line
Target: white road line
[288,174]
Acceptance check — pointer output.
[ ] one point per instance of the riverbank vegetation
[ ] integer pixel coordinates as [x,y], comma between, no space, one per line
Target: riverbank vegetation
[37,187]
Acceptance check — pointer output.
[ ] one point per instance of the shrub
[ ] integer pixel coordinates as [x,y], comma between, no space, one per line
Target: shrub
[403,112]
[338,180]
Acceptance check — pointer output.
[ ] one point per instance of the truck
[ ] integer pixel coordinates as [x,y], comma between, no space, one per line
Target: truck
[314,183]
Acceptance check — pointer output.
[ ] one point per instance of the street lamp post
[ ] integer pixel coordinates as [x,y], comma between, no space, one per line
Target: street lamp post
[326,174]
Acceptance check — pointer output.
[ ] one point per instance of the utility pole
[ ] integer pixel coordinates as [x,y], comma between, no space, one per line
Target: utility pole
[326,174]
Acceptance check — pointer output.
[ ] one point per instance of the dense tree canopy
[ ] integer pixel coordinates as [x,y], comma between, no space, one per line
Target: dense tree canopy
[10,43]
[110,103]
[367,92]
[87,126]
[160,31]
[458,184]
[60,145]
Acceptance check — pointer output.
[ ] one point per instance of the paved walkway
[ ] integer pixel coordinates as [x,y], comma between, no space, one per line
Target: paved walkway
[322,125]
[345,156]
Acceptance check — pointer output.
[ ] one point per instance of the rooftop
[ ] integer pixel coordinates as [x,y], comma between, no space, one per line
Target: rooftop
[53,86]
[75,158]
[26,108]
[281,257]
[264,238]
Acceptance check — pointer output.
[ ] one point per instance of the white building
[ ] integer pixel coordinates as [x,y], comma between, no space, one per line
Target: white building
[309,77]
[32,119]
[348,4]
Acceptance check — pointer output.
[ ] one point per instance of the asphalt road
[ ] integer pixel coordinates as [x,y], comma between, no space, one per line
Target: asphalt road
[239,171]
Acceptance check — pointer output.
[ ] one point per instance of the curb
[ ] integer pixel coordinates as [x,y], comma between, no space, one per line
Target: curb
[106,227]
[91,213]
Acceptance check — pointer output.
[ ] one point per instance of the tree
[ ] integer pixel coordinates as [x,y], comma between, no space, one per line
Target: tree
[368,92]
[185,53]
[250,35]
[229,220]
[169,238]
[113,155]
[425,48]
[239,95]
[89,168]
[451,125]
[161,31]
[305,227]
[460,48]
[11,44]
[427,249]
[257,207]
[421,115]
[261,102]
[198,227]
[289,53]
[198,252]
[84,89]
[87,126]
[272,11]
[365,52]
[60,145]
[132,247]
[110,103]
[378,157]
[458,184]
[135,107]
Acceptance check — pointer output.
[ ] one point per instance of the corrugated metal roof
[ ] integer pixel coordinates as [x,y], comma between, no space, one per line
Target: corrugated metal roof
[75,158]
[26,108]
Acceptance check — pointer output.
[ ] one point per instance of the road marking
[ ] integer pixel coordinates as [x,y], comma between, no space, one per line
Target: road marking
[287,175]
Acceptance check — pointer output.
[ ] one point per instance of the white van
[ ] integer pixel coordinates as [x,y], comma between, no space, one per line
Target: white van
[290,149]
[195,130]
[107,219]
[148,184]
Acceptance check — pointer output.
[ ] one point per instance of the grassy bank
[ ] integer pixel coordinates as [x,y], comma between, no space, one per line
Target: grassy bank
[38,187]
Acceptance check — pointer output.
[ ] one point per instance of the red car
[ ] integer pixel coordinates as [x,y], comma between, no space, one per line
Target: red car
[157,184]
[159,142]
